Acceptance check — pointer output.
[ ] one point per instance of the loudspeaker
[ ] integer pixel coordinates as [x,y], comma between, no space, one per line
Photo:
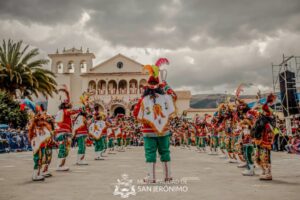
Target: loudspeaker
[288,93]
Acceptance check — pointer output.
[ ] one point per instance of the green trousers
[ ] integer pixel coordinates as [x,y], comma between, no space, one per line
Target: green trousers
[62,147]
[104,142]
[119,141]
[197,141]
[81,144]
[202,142]
[229,143]
[154,144]
[99,144]
[182,140]
[189,141]
[48,155]
[248,151]
[222,142]
[127,142]
[111,143]
[214,141]
[37,158]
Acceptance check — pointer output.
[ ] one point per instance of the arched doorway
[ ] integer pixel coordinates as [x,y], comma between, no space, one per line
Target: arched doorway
[119,110]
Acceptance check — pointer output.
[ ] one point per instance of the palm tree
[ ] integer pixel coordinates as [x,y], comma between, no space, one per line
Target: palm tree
[22,73]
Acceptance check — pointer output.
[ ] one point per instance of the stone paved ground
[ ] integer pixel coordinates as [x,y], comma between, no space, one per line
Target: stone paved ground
[203,176]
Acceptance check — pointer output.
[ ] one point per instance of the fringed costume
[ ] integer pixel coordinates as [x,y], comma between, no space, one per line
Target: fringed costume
[154,110]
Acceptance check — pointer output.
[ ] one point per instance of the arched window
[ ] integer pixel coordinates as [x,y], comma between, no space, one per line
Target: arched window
[101,87]
[112,87]
[122,87]
[92,86]
[83,66]
[59,67]
[133,86]
[71,67]
[143,83]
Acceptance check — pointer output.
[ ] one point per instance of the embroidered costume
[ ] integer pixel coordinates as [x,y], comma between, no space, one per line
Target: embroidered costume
[154,110]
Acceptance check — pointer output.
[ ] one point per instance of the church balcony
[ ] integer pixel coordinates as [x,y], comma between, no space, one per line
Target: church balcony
[133,90]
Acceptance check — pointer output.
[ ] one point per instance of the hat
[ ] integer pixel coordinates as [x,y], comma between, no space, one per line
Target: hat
[271,98]
[65,90]
[154,71]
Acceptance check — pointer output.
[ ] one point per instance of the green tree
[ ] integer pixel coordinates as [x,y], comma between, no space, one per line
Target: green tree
[22,73]
[11,113]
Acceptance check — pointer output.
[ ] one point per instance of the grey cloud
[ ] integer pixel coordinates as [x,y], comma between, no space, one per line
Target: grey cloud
[217,34]
[132,22]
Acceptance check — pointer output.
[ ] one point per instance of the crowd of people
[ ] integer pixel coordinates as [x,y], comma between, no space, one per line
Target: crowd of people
[240,134]
[13,140]
[237,132]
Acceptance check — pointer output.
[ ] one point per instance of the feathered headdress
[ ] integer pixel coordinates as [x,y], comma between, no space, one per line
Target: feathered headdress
[154,70]
[271,98]
[66,92]
[84,98]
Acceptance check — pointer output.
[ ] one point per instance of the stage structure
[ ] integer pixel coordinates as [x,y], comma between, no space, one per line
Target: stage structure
[286,85]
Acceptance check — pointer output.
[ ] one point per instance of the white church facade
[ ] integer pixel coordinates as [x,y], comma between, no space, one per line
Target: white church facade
[116,83]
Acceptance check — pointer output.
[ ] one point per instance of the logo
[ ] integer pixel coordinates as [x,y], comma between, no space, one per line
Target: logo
[124,187]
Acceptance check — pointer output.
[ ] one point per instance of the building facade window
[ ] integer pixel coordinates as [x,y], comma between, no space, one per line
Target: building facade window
[122,87]
[83,66]
[59,67]
[112,87]
[71,67]
[133,86]
[92,86]
[143,83]
[101,87]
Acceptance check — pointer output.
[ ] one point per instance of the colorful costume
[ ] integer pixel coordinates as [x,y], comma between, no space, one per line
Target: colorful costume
[248,148]
[214,140]
[154,111]
[81,133]
[264,138]
[63,131]
[96,131]
[39,134]
[111,139]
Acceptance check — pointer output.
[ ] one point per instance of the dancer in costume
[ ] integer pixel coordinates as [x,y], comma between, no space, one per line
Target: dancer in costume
[154,110]
[263,135]
[39,133]
[240,114]
[229,137]
[204,125]
[48,146]
[238,146]
[111,139]
[81,132]
[126,134]
[96,130]
[248,148]
[214,138]
[220,128]
[119,128]
[197,136]
[63,130]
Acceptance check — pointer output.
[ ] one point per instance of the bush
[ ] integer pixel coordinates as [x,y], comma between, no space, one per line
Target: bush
[10,112]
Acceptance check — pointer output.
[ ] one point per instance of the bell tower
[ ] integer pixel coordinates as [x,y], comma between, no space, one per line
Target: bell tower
[68,66]
[71,61]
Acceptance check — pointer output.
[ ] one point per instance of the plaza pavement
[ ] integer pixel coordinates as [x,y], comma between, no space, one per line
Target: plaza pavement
[197,176]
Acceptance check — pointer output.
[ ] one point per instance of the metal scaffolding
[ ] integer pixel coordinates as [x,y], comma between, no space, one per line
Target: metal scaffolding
[292,64]
[289,63]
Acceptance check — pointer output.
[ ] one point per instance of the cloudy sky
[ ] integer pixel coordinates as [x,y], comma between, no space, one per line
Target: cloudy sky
[213,45]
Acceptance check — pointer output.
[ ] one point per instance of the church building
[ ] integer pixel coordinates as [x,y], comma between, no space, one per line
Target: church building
[116,84]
